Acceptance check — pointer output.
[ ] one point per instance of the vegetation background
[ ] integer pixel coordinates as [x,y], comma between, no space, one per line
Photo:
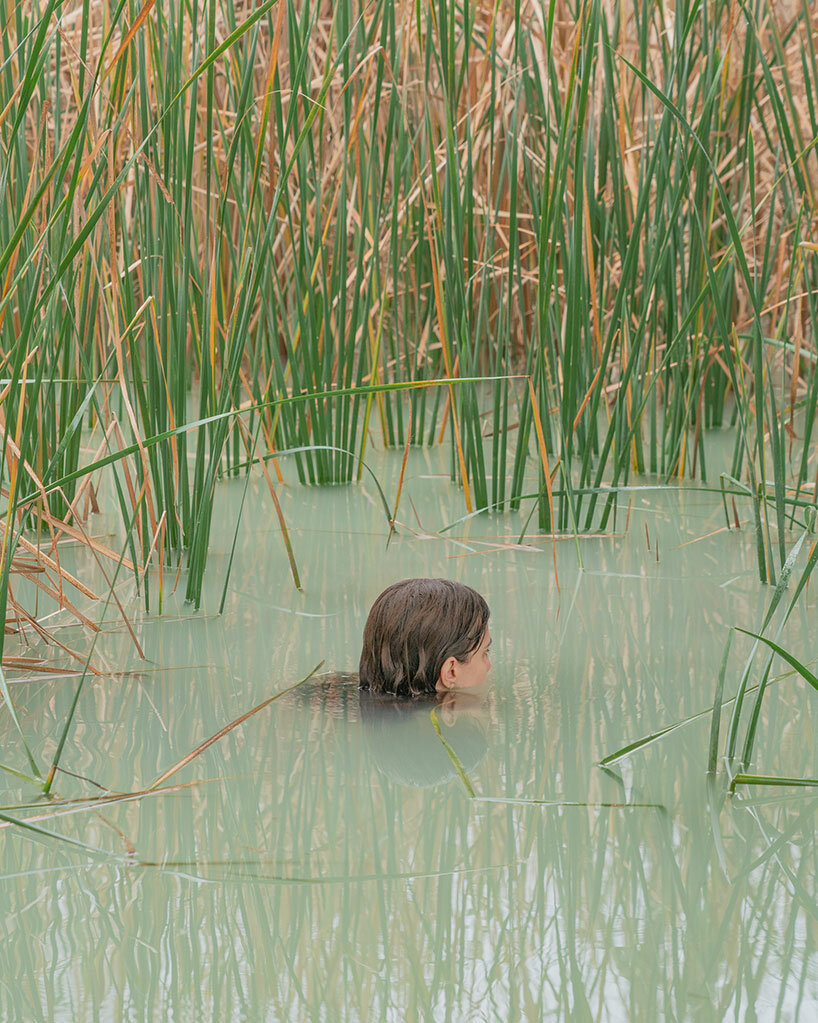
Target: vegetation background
[575,235]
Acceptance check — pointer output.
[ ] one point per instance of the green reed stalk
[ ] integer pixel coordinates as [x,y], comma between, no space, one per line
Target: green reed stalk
[222,218]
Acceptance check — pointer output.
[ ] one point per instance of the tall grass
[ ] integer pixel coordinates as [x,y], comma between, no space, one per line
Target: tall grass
[214,207]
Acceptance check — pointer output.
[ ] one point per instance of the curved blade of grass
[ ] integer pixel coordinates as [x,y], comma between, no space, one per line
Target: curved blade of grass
[19,774]
[452,755]
[625,751]
[70,807]
[227,728]
[802,670]
[756,712]
[764,779]
[620,754]
[55,837]
[647,740]
[778,593]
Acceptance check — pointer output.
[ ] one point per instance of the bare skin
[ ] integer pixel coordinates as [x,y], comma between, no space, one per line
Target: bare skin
[466,674]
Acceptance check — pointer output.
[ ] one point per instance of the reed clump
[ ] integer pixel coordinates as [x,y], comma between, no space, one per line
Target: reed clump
[582,230]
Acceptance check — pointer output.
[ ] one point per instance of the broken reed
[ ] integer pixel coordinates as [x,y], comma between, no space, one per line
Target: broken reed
[210,207]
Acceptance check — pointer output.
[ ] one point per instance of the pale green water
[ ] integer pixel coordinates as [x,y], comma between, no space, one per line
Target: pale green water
[305,877]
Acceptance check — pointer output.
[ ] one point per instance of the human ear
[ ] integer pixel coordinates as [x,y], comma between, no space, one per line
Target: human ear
[448,672]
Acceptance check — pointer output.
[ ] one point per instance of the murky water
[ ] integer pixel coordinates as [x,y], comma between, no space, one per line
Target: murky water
[323,860]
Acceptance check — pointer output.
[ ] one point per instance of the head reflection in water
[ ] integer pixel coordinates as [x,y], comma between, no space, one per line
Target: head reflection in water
[404,745]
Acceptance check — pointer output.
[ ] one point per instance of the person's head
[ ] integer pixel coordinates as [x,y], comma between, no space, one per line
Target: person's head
[423,636]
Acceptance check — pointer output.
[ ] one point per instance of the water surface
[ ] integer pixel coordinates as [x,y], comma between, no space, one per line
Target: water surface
[324,861]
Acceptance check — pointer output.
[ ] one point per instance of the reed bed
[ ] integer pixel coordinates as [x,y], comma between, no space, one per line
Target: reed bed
[572,236]
[567,240]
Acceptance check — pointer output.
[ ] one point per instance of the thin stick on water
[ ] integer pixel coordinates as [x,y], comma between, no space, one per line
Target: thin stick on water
[227,728]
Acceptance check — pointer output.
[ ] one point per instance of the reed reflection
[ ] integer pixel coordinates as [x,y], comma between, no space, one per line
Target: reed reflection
[330,848]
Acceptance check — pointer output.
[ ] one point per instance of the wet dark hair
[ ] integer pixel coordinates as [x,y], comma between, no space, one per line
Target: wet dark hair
[412,628]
